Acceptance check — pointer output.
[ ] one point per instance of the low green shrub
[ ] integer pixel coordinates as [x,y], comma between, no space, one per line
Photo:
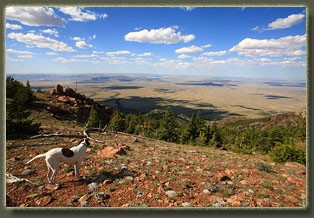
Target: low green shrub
[285,153]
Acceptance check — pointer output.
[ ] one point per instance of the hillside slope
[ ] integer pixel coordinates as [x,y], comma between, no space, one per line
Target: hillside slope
[154,174]
[145,172]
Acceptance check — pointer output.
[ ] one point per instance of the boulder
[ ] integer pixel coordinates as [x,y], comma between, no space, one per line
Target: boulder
[110,152]
[69,92]
[57,90]
[64,99]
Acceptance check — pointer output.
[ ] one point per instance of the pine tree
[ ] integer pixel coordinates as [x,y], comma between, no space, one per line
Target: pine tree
[168,128]
[19,98]
[94,119]
[216,138]
[190,132]
[200,123]
[17,110]
[117,122]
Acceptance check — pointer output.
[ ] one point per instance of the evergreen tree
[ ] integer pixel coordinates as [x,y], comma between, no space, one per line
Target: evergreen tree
[167,130]
[216,138]
[19,98]
[200,123]
[17,109]
[94,119]
[130,123]
[190,132]
[117,122]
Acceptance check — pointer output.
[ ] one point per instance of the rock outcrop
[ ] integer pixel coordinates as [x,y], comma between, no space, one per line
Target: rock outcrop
[69,104]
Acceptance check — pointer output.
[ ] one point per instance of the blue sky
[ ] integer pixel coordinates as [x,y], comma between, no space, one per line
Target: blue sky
[264,42]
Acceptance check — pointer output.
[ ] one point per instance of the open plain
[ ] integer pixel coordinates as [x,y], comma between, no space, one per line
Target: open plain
[215,98]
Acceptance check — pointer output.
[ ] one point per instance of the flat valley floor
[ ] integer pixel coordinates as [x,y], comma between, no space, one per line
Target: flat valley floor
[214,98]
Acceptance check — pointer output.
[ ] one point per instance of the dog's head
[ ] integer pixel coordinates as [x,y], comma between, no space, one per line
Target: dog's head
[85,142]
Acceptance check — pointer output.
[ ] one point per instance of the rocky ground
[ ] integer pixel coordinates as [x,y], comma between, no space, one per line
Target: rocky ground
[139,172]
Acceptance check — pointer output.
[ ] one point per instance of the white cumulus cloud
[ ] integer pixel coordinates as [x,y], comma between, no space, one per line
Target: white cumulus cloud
[184,56]
[76,38]
[51,32]
[73,60]
[118,53]
[215,53]
[285,46]
[82,45]
[9,50]
[283,23]
[206,46]
[39,41]
[51,53]
[146,54]
[80,14]
[158,36]
[13,26]
[34,16]
[191,49]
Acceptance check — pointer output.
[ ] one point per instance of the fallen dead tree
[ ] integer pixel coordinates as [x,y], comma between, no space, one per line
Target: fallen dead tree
[94,129]
[35,144]
[54,135]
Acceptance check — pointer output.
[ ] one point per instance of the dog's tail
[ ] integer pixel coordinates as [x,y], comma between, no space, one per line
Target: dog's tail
[34,158]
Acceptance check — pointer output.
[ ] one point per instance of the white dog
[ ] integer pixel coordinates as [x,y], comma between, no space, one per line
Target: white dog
[73,156]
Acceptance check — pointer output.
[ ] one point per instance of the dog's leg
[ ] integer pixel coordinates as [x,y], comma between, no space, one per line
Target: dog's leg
[77,170]
[49,173]
[55,169]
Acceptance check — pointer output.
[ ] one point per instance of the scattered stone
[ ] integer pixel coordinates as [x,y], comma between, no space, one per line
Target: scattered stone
[142,176]
[213,188]
[186,204]
[107,181]
[27,172]
[244,182]
[165,167]
[149,163]
[171,194]
[84,203]
[221,177]
[101,196]
[110,152]
[161,189]
[219,204]
[58,90]
[75,197]
[130,178]
[122,146]
[294,164]
[93,186]
[206,191]
[44,201]
[182,160]
[302,172]
[52,187]
[292,199]
[109,162]
[84,200]
[31,196]
[139,194]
